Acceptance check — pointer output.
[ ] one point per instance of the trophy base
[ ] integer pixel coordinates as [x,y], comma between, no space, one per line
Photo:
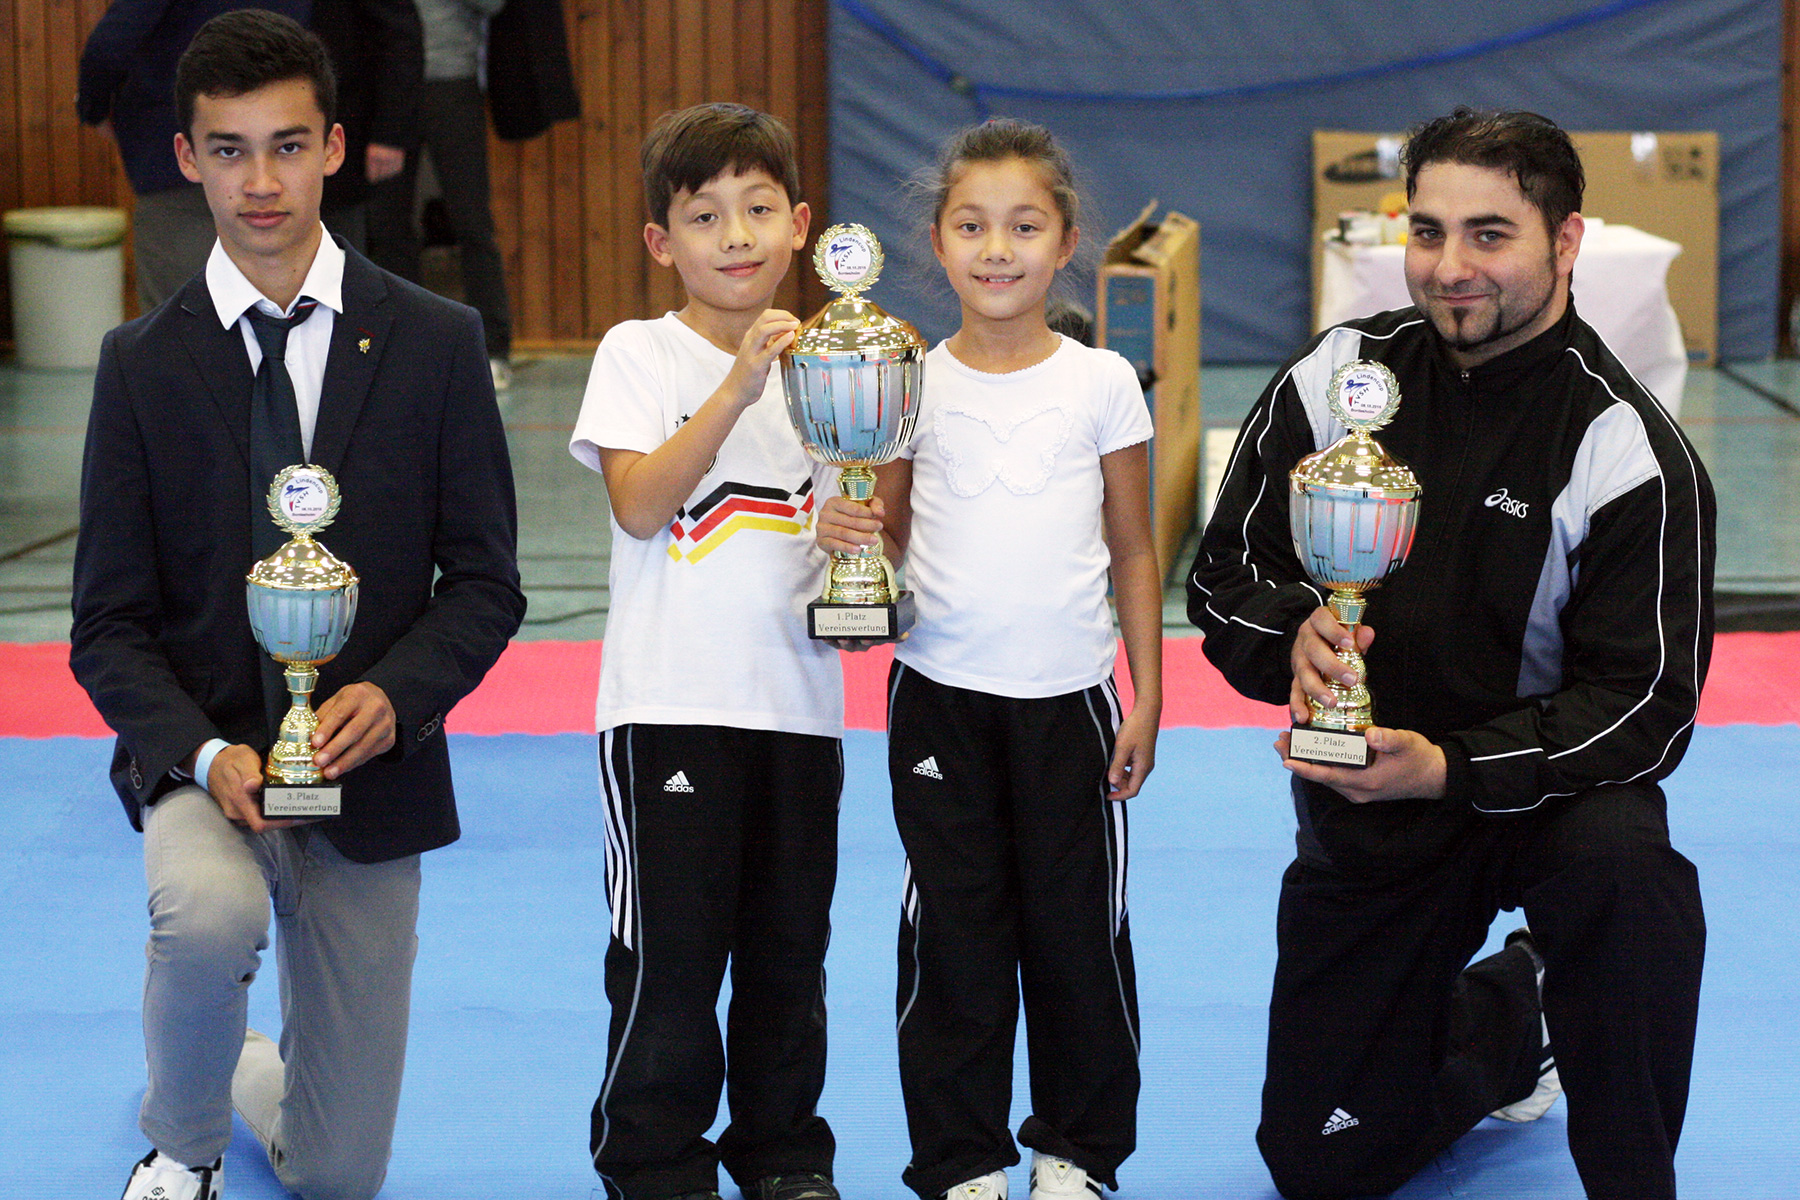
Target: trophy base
[282,801]
[861,622]
[1328,747]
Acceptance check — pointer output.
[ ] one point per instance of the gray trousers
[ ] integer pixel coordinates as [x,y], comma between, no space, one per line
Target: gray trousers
[323,1102]
[453,121]
[172,232]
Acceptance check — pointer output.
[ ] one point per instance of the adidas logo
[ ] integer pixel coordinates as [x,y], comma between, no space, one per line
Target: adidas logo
[1338,1122]
[929,768]
[678,782]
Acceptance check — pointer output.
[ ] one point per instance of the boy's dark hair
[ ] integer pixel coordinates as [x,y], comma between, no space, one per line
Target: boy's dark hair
[689,146]
[1533,149]
[248,48]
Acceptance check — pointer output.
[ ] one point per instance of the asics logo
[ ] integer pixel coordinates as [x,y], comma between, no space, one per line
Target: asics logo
[1507,505]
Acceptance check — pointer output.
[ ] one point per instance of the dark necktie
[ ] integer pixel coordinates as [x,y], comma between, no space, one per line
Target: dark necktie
[274,421]
[274,444]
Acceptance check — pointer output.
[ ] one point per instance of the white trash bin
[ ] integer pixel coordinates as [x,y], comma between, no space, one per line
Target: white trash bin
[68,281]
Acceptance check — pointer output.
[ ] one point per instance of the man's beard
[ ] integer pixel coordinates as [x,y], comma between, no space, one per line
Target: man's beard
[1461,335]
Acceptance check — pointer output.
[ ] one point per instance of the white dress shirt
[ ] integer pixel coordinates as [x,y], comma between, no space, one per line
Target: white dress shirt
[309,343]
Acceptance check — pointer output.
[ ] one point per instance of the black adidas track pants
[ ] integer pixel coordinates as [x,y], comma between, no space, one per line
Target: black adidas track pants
[721,845]
[1015,884]
[1384,1049]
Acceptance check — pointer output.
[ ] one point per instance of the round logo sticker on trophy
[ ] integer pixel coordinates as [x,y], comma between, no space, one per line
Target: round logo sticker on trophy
[1364,395]
[848,259]
[1352,511]
[302,603]
[306,499]
[852,378]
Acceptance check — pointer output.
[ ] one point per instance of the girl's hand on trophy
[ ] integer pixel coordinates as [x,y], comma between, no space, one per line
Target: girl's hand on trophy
[1315,660]
[1406,766]
[354,726]
[234,779]
[845,526]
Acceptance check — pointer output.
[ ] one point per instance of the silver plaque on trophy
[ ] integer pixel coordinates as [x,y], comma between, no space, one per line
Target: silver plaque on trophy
[302,603]
[853,378]
[1352,510]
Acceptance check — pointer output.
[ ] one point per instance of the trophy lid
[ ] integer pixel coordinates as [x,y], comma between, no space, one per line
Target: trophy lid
[848,258]
[851,323]
[1356,463]
[302,565]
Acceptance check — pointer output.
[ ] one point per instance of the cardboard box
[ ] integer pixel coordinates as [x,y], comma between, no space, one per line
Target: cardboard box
[1148,310]
[1662,183]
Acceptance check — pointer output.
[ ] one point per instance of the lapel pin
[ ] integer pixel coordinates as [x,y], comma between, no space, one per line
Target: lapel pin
[363,345]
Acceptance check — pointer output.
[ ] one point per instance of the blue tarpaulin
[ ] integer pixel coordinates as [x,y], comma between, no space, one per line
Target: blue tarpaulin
[1210,108]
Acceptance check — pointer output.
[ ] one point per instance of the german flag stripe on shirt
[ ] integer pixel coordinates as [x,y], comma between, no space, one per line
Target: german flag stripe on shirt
[732,507]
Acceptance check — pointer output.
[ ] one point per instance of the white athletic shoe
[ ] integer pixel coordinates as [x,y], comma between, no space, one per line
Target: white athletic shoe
[991,1186]
[1059,1179]
[160,1177]
[1549,1084]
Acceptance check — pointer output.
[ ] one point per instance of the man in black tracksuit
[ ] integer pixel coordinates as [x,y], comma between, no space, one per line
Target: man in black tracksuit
[1538,671]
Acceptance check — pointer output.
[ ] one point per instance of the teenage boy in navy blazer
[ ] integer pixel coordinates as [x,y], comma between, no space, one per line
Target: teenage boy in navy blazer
[393,397]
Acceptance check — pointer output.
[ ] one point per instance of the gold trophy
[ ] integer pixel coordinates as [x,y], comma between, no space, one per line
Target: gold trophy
[302,604]
[853,378]
[1352,510]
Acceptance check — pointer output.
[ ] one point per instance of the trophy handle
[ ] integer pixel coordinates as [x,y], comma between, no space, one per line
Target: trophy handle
[291,757]
[1354,709]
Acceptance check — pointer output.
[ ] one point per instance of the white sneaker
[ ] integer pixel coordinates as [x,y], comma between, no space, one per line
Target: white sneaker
[1549,1087]
[160,1177]
[1056,1178]
[991,1186]
[1549,1084]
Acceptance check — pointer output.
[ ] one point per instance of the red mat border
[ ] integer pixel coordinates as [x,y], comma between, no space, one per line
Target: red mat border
[548,688]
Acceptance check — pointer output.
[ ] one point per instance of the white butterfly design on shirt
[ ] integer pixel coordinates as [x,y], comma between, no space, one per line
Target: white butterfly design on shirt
[1021,454]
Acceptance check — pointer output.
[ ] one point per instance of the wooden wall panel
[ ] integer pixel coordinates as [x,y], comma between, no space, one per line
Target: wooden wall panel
[46,155]
[568,204]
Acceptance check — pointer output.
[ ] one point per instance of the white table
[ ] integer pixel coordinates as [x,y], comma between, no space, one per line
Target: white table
[1620,284]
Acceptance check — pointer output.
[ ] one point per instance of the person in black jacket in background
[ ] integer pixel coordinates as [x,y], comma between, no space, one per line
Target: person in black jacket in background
[378,52]
[1538,672]
[127,81]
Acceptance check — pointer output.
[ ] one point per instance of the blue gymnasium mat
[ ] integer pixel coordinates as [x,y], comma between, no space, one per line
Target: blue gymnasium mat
[509,1015]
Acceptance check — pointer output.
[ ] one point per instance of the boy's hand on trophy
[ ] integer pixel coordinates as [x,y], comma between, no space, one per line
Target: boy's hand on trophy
[1315,660]
[845,526]
[767,337]
[1405,766]
[354,726]
[234,779]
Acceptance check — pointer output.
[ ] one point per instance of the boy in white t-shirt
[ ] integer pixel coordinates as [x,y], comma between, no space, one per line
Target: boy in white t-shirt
[720,720]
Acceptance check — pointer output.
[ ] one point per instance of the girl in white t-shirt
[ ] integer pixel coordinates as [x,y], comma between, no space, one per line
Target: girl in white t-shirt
[1023,491]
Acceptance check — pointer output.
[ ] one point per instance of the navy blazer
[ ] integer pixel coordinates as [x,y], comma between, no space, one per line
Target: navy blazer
[409,427]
